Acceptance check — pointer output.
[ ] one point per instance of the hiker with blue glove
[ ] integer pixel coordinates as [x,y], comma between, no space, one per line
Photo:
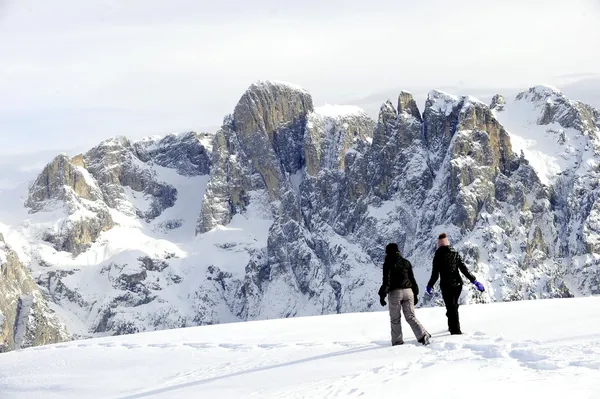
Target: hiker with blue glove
[447,263]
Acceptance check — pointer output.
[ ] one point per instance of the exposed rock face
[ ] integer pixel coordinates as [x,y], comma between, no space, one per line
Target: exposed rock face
[25,318]
[299,203]
[62,180]
[67,186]
[116,174]
[188,154]
[116,167]
[407,105]
[331,131]
[269,121]
[498,103]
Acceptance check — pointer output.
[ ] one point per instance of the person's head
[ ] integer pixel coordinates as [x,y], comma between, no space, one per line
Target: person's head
[443,240]
[392,249]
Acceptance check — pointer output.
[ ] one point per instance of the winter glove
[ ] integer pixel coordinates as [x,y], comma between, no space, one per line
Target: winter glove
[479,285]
[429,290]
[382,301]
[416,300]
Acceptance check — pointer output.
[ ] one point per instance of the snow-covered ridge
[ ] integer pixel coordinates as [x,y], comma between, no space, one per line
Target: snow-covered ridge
[442,102]
[539,93]
[548,128]
[269,84]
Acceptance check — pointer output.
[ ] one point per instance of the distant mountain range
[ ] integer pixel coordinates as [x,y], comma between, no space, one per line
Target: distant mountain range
[285,211]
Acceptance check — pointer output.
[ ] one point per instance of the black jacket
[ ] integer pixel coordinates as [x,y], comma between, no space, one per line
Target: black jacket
[446,264]
[397,274]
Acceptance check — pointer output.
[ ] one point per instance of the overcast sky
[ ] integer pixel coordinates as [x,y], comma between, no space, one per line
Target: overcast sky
[74,72]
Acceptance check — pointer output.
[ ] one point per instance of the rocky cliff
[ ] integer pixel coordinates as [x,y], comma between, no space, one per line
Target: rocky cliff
[286,210]
[25,318]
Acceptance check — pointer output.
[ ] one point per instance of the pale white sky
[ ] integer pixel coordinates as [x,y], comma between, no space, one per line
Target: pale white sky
[75,72]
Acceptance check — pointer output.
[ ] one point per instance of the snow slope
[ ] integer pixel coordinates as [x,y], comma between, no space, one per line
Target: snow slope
[519,349]
[550,148]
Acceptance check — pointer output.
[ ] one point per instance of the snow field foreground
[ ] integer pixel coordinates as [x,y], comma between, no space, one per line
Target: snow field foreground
[529,349]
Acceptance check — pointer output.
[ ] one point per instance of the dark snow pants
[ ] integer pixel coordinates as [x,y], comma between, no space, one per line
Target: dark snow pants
[451,296]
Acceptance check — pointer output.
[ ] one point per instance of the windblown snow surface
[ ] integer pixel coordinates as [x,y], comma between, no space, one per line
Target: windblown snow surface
[528,349]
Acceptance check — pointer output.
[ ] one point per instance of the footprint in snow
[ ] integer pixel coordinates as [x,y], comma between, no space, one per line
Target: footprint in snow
[162,346]
[487,351]
[271,346]
[348,344]
[234,346]
[199,345]
[589,364]
[309,344]
[131,346]
[381,343]
[526,355]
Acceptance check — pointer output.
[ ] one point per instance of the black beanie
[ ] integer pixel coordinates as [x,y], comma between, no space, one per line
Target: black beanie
[391,248]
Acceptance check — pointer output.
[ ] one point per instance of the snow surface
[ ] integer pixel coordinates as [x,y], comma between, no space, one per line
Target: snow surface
[512,349]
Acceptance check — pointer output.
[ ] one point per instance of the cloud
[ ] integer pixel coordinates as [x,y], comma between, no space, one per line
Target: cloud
[73,72]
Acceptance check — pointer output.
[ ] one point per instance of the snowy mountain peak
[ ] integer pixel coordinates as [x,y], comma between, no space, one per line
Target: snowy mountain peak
[439,101]
[271,85]
[539,93]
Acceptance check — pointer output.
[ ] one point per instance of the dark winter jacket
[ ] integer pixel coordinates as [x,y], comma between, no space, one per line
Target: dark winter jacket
[397,274]
[446,265]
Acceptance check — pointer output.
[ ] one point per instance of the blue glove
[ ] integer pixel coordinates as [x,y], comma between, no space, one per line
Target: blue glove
[479,285]
[429,290]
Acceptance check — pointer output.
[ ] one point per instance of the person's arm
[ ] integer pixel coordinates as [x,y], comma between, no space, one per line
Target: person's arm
[385,280]
[413,281]
[435,272]
[464,270]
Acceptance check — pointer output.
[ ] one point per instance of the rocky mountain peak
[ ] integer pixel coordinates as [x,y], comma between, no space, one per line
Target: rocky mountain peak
[267,106]
[269,123]
[407,105]
[62,180]
[498,103]
[539,93]
[386,124]
[556,108]
[440,102]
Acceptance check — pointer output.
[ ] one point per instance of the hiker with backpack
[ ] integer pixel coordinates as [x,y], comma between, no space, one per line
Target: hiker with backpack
[401,289]
[447,263]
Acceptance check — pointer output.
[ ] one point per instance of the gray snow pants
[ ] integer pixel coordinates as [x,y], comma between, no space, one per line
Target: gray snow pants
[403,299]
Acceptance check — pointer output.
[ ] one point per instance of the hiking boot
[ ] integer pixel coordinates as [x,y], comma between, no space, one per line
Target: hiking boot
[425,339]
